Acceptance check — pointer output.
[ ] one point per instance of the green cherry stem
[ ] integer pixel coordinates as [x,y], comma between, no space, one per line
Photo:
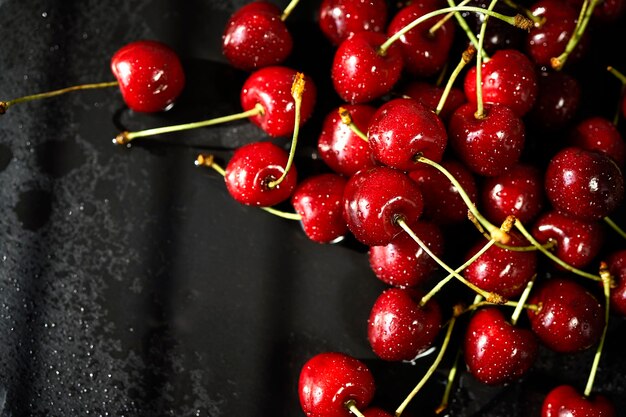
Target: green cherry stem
[4,105]
[445,400]
[466,57]
[586,11]
[527,12]
[463,25]
[351,406]
[287,10]
[622,78]
[444,19]
[480,109]
[615,227]
[522,300]
[346,119]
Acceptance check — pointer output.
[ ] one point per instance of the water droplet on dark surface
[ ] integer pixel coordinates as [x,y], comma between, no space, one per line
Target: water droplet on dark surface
[5,156]
[33,209]
[59,157]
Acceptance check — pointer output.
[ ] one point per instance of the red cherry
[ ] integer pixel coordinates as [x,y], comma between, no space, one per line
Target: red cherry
[558,100]
[424,53]
[360,73]
[271,87]
[250,170]
[578,242]
[429,95]
[403,128]
[255,36]
[565,400]
[376,412]
[402,262]
[570,318]
[508,78]
[488,146]
[331,379]
[375,198]
[150,75]
[339,19]
[342,149]
[318,200]
[616,263]
[495,351]
[399,328]
[600,134]
[585,184]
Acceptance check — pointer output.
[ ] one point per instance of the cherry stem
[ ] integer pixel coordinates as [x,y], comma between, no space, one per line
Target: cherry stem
[615,227]
[297,89]
[586,11]
[470,35]
[517,21]
[346,118]
[445,400]
[522,300]
[617,74]
[444,19]
[606,285]
[552,256]
[622,78]
[351,406]
[509,303]
[466,57]
[4,105]
[529,14]
[432,368]
[208,160]
[287,11]
[480,110]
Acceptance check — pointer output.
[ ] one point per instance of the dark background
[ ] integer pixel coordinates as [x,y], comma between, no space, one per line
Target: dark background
[131,284]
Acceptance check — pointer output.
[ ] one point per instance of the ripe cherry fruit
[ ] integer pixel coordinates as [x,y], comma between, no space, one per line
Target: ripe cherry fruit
[339,19]
[565,400]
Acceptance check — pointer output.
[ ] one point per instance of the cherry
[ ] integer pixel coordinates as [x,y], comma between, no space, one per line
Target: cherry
[318,200]
[425,52]
[150,75]
[330,380]
[600,134]
[339,19]
[569,319]
[340,147]
[429,95]
[256,36]
[488,146]
[517,192]
[508,78]
[402,128]
[399,327]
[376,412]
[402,262]
[565,400]
[270,87]
[584,184]
[360,73]
[374,200]
[578,242]
[495,351]
[558,100]
[616,263]
[252,168]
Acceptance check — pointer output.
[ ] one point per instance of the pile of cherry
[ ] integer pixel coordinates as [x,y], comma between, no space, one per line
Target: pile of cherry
[548,266]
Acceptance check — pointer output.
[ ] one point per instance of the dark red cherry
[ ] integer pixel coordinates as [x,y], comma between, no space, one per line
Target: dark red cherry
[498,34]
[399,328]
[487,146]
[339,147]
[403,128]
[424,54]
[375,198]
[495,351]
[508,78]
[271,87]
[502,271]
[442,202]
[329,380]
[360,73]
[429,95]
[607,11]
[150,75]
[517,192]
[578,242]
[558,100]
[252,168]
[565,400]
[584,184]
[616,263]
[376,412]
[600,134]
[318,199]
[402,262]
[339,19]
[255,36]
[570,318]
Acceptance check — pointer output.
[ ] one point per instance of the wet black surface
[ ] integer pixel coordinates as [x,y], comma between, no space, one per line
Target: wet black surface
[131,284]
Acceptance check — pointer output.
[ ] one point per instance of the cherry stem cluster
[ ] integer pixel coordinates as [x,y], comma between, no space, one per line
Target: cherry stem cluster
[470,35]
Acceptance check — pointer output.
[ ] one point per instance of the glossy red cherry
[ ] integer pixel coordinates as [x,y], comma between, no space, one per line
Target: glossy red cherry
[399,328]
[424,53]
[255,36]
[150,75]
[339,147]
[429,95]
[360,73]
[487,146]
[271,87]
[402,262]
[584,184]
[616,263]
[403,128]
[565,400]
[558,100]
[329,380]
[252,168]
[318,199]
[570,318]
[508,78]
[375,198]
[578,242]
[339,19]
[495,351]
[600,134]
